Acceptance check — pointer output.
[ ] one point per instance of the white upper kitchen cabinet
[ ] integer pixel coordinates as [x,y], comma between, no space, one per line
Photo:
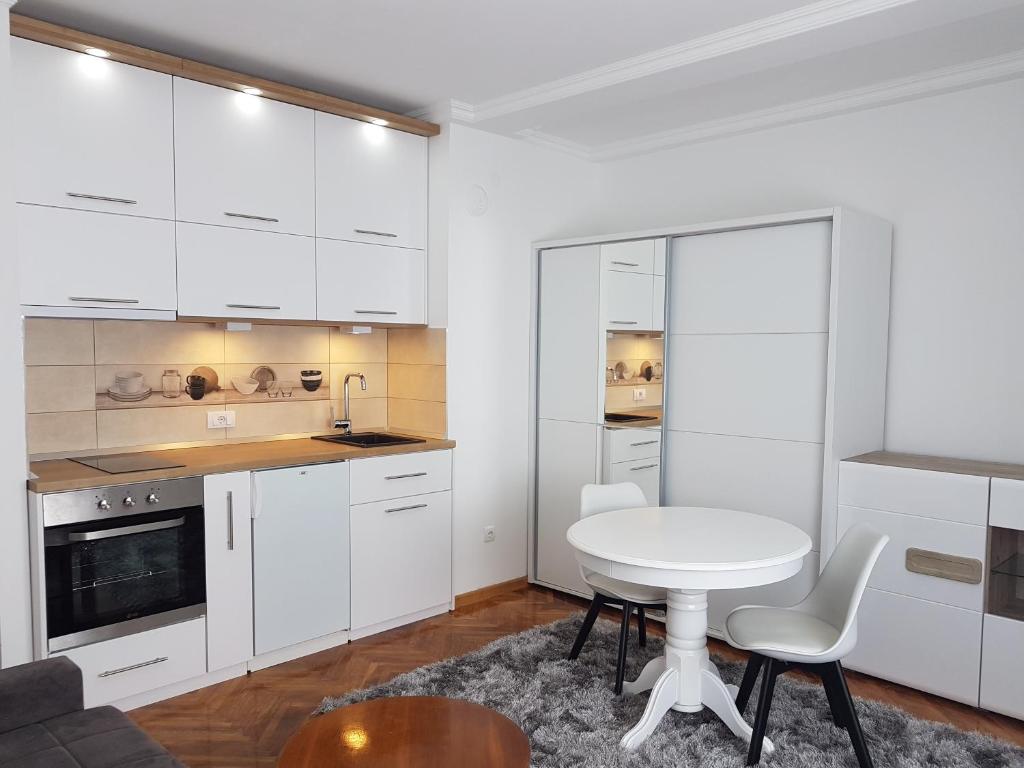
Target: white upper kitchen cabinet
[91,133]
[362,283]
[629,301]
[85,264]
[225,272]
[371,183]
[241,160]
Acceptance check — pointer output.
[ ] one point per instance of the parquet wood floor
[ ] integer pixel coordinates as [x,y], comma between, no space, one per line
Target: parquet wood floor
[244,723]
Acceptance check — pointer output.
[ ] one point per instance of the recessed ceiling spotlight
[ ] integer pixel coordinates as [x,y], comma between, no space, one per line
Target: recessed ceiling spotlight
[98,52]
[378,121]
[250,91]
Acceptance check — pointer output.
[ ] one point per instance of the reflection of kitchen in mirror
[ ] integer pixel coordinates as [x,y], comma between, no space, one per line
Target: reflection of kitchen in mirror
[634,377]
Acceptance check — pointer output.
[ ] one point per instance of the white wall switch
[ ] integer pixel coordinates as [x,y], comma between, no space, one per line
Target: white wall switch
[488,533]
[220,419]
[639,393]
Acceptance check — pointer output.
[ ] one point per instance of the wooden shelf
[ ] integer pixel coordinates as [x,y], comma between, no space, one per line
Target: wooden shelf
[221,397]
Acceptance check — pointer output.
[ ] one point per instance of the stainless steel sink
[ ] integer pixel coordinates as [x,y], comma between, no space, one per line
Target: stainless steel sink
[369,439]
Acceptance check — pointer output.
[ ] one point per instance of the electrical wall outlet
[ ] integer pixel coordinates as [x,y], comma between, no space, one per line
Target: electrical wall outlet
[488,533]
[220,419]
[639,393]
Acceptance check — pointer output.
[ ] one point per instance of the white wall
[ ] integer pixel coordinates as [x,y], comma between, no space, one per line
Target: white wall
[948,172]
[15,626]
[531,194]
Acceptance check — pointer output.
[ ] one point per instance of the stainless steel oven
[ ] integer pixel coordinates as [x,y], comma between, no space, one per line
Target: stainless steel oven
[122,559]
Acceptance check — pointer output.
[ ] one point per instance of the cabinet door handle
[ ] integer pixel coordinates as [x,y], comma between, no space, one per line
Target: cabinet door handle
[403,477]
[375,312]
[644,466]
[231,521]
[626,263]
[944,566]
[250,216]
[102,300]
[252,306]
[404,509]
[374,232]
[623,322]
[102,198]
[119,670]
[643,442]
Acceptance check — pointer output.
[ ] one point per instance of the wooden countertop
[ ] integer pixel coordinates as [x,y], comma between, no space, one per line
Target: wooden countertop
[651,418]
[941,464]
[66,475]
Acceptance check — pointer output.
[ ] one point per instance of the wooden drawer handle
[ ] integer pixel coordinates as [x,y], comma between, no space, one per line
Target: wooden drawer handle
[943,566]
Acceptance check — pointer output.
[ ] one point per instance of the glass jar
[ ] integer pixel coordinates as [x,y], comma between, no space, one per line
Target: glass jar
[170,383]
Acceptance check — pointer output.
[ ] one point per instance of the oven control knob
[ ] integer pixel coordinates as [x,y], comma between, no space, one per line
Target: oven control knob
[152,499]
[128,501]
[103,504]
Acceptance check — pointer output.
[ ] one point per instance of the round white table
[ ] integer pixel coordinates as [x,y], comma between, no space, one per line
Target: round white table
[689,551]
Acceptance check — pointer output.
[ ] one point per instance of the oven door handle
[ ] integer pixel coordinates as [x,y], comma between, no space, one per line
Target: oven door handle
[109,533]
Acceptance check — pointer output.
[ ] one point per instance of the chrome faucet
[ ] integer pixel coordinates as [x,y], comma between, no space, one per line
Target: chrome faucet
[346,422]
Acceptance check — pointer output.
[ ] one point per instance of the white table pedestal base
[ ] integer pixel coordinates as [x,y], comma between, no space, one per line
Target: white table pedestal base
[684,679]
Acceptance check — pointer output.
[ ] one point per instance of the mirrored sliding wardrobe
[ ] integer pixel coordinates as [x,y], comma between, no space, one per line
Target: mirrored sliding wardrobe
[765,341]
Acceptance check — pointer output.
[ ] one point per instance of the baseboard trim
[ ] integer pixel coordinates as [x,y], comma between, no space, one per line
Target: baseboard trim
[485,593]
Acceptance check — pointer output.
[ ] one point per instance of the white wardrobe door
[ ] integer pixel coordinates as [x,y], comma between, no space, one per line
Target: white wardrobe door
[567,460]
[764,280]
[570,382]
[755,385]
[778,478]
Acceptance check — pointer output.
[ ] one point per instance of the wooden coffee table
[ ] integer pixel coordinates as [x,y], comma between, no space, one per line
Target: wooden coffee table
[408,731]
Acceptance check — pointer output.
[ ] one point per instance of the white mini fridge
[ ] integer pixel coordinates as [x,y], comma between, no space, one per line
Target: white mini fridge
[300,542]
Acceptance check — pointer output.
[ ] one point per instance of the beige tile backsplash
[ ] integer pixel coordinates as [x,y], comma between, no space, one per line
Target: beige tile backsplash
[71,363]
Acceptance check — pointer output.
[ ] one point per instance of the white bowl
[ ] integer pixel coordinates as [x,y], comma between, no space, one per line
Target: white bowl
[129,382]
[245,385]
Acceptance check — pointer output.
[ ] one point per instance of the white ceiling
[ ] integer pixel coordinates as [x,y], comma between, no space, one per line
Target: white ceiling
[599,78]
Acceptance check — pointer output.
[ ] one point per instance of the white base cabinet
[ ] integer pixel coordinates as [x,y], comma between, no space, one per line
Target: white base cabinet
[401,539]
[401,557]
[127,666]
[228,534]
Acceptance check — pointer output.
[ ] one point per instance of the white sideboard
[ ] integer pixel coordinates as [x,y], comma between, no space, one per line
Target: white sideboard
[944,609]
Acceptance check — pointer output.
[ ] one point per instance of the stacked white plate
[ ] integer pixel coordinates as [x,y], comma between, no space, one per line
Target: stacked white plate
[121,397]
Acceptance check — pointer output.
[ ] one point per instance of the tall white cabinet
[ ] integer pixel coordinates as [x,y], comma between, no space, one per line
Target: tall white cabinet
[585,293]
[776,346]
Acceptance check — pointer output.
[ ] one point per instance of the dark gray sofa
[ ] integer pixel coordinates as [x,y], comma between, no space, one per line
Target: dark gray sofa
[43,724]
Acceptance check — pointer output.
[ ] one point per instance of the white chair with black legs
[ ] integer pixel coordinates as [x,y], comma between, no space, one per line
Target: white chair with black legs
[595,499]
[812,635]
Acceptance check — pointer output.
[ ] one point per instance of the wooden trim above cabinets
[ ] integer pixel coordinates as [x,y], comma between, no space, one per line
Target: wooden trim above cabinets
[63,37]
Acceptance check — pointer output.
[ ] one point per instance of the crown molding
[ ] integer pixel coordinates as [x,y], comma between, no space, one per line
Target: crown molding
[824,13]
[929,83]
[451,110]
[550,141]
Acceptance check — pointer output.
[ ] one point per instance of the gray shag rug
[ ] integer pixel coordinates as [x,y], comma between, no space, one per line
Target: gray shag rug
[568,710]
